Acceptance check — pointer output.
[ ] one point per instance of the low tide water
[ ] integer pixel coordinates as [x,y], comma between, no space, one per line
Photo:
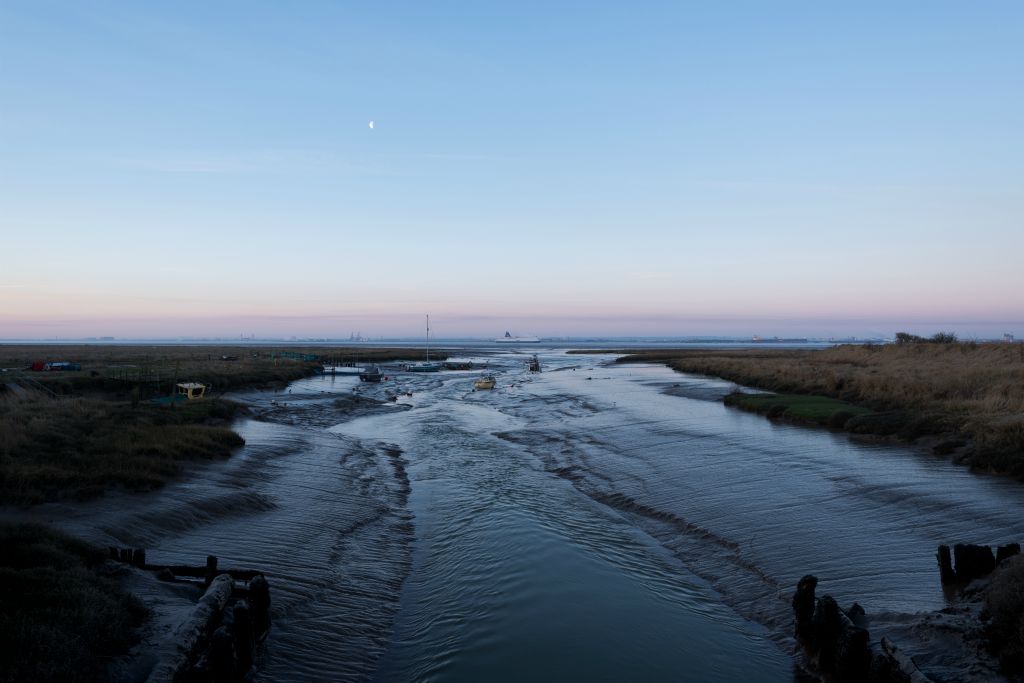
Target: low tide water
[591,522]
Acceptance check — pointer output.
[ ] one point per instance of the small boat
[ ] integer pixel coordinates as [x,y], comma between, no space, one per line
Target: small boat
[370,374]
[485,382]
[342,370]
[425,366]
[509,339]
[534,364]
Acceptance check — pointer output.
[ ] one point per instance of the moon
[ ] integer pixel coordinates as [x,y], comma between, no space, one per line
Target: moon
[371,125]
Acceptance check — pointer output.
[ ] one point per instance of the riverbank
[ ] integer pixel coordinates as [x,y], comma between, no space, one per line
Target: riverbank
[964,398]
[78,433]
[70,435]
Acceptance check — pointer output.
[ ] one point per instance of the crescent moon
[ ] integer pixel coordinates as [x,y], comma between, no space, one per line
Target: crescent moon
[371,125]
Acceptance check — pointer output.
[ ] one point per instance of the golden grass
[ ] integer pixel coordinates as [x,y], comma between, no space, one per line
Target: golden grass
[974,389]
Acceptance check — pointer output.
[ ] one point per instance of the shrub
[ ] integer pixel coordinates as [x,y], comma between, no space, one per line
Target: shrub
[943,338]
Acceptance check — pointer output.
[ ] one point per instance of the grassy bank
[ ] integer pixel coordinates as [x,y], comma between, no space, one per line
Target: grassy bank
[968,391]
[114,371]
[63,620]
[76,434]
[78,448]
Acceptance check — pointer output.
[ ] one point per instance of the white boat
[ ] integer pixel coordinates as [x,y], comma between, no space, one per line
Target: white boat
[342,370]
[509,339]
[485,382]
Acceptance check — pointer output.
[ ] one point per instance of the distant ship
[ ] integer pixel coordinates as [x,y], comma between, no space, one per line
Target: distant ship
[509,339]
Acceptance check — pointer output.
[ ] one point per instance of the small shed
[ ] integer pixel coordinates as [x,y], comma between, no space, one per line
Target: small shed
[190,390]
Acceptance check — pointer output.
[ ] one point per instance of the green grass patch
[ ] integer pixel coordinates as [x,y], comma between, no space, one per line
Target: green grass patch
[63,620]
[819,410]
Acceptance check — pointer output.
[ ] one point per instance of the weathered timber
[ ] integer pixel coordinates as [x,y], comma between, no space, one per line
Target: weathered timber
[905,663]
[175,653]
[972,561]
[946,573]
[840,649]
[969,562]
[1007,551]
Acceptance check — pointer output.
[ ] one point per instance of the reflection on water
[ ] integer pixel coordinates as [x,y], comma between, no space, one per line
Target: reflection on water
[592,522]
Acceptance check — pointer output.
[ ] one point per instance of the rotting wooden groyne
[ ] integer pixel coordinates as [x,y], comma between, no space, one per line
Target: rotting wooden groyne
[217,642]
[971,561]
[838,646]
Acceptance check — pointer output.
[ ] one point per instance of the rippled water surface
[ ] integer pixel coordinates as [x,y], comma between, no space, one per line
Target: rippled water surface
[592,522]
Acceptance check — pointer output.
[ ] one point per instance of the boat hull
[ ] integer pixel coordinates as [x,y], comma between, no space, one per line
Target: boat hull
[423,367]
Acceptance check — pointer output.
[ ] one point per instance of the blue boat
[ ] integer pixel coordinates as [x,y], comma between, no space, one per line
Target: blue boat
[423,367]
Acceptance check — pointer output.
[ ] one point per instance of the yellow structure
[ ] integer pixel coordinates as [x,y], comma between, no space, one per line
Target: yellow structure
[191,390]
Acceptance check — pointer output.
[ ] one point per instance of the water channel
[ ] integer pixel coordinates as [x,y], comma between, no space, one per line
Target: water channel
[591,522]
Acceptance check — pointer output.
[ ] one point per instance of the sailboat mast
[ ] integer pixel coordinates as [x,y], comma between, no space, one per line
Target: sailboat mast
[428,337]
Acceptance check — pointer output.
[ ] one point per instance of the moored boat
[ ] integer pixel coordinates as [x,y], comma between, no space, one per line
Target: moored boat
[425,366]
[485,382]
[342,370]
[370,374]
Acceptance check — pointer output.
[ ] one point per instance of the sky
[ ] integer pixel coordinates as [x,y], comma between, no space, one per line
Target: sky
[558,169]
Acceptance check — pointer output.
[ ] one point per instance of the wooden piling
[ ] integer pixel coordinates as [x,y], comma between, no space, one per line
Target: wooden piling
[211,568]
[945,558]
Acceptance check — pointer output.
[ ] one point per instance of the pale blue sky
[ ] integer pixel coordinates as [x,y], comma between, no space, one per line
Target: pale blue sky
[556,169]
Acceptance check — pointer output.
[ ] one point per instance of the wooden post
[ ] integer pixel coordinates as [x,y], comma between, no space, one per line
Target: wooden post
[245,639]
[211,568]
[221,656]
[259,602]
[946,573]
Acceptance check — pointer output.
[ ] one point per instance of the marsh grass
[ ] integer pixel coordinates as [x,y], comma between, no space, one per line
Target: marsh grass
[103,433]
[78,448]
[971,389]
[62,619]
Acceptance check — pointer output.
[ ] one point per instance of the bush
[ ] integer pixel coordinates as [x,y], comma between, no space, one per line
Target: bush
[943,338]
